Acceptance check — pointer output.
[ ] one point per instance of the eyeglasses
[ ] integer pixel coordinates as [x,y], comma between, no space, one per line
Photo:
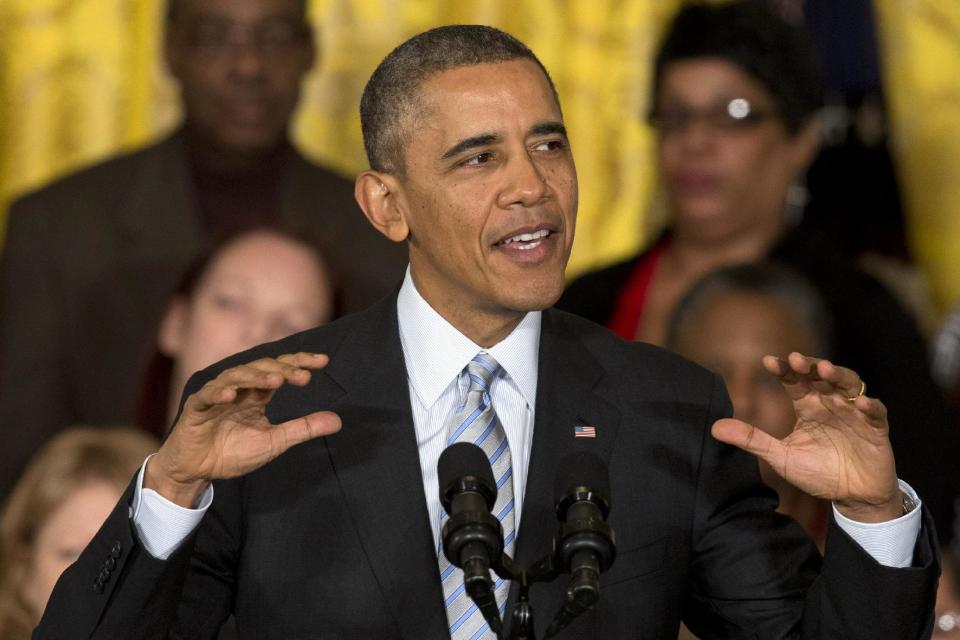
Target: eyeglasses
[216,37]
[736,115]
[947,624]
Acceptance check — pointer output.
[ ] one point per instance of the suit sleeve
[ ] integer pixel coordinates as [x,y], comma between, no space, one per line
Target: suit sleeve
[756,574]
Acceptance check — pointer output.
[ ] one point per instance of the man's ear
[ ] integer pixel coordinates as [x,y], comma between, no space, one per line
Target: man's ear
[173,326]
[381,198]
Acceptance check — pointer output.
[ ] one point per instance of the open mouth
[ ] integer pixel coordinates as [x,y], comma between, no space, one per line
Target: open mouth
[525,241]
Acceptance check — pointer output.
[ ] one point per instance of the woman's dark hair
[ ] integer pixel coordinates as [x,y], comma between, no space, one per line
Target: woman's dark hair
[778,55]
[154,391]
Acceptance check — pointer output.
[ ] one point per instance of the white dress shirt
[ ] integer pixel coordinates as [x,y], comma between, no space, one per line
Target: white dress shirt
[435,353]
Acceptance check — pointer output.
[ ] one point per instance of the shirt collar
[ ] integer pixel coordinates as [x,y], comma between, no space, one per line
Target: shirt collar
[436,353]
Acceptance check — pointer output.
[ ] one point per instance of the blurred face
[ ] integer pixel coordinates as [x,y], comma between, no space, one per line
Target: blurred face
[63,536]
[489,196]
[730,335]
[260,287]
[239,64]
[725,158]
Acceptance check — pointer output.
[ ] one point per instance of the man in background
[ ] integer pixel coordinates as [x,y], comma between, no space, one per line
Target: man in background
[91,259]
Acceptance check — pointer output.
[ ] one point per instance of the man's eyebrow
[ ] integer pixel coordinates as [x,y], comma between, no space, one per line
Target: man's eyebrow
[472,142]
[547,128]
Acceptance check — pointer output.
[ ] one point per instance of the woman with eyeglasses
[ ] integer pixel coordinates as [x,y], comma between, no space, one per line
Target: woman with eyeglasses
[736,93]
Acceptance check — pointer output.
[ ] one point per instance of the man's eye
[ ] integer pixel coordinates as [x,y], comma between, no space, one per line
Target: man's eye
[549,145]
[209,35]
[279,34]
[480,158]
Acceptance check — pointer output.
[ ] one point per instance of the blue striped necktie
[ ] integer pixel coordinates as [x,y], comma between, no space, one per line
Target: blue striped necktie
[475,421]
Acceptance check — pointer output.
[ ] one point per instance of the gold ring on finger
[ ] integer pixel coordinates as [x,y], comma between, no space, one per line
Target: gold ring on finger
[863,389]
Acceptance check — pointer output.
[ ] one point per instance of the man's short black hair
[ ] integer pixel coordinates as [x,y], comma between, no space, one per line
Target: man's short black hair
[778,55]
[391,98]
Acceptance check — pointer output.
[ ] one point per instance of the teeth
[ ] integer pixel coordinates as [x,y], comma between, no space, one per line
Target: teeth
[528,237]
[527,247]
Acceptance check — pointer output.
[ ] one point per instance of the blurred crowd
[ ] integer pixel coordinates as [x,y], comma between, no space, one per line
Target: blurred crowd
[120,280]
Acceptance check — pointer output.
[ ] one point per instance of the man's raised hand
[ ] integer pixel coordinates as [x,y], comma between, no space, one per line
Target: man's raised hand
[839,449]
[223,431]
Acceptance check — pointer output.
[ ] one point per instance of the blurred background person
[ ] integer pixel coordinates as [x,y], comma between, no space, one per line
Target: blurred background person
[65,494]
[736,91]
[727,322]
[947,616]
[104,247]
[255,286]
[945,357]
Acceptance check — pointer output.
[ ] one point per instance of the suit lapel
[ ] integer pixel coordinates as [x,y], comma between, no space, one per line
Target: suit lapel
[376,462]
[568,394]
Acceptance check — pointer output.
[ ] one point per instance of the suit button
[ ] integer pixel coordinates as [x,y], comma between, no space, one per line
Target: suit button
[97,586]
[110,563]
[116,550]
[104,575]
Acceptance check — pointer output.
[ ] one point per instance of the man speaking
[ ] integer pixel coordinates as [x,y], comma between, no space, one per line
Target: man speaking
[338,537]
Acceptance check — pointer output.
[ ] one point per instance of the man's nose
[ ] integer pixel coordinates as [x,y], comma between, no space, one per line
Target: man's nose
[525,182]
[248,60]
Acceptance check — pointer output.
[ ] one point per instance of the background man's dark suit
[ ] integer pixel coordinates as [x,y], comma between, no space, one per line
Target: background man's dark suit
[332,540]
[89,264]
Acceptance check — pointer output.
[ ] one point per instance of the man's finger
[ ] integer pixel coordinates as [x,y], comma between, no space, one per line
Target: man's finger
[750,439]
[846,382]
[872,410]
[225,388]
[295,367]
[796,383]
[292,374]
[310,426]
[305,359]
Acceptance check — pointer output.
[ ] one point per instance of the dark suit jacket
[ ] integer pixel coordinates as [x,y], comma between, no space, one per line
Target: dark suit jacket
[90,262]
[332,539]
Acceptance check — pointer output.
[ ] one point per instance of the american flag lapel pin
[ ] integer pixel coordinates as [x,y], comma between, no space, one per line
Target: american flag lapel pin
[584,431]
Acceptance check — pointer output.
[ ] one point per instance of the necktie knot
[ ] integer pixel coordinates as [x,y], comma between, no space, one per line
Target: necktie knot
[482,370]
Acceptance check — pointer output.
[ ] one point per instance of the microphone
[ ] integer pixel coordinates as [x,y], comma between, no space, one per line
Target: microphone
[472,536]
[585,546]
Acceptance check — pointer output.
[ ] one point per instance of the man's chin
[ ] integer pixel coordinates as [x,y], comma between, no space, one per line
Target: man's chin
[537,299]
[248,140]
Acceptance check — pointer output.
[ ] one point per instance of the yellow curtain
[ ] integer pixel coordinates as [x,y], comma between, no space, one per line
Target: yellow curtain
[920,47]
[79,80]
[82,79]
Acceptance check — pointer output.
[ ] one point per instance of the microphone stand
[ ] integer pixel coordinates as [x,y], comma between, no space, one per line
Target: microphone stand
[521,616]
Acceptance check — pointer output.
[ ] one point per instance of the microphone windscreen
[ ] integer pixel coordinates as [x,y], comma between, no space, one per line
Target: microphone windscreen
[581,469]
[464,459]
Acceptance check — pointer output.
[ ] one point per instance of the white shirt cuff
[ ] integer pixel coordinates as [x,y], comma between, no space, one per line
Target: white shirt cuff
[161,525]
[890,543]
